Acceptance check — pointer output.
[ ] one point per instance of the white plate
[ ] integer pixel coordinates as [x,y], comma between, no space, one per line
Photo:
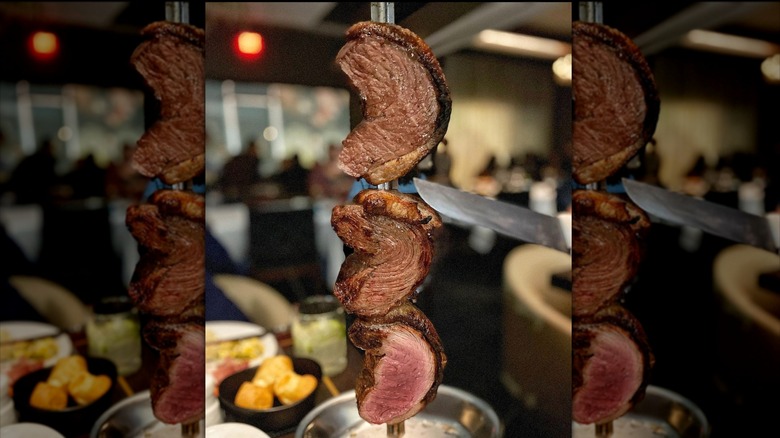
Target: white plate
[213,415]
[7,412]
[231,430]
[25,330]
[29,430]
[236,329]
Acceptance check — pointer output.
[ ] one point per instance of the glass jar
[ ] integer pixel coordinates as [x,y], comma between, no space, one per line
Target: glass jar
[114,332]
[319,332]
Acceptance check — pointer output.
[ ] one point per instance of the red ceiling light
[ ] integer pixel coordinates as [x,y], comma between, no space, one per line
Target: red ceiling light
[249,44]
[44,45]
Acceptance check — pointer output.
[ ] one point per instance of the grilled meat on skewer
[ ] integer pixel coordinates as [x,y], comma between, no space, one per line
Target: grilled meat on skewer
[616,102]
[171,63]
[405,101]
[612,361]
[608,245]
[391,233]
[403,365]
[169,277]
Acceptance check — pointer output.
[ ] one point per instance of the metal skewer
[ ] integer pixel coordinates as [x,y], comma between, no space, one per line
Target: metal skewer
[384,12]
[604,430]
[179,12]
[592,12]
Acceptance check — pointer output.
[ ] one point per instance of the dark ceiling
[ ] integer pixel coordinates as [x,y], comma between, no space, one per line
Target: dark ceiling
[98,38]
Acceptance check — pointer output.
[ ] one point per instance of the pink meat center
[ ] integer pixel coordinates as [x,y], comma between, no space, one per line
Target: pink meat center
[403,376]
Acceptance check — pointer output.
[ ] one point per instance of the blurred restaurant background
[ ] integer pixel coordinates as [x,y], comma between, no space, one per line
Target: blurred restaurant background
[711,307]
[288,108]
[275,119]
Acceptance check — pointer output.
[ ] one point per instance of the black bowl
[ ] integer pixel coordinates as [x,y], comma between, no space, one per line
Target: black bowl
[279,417]
[74,419]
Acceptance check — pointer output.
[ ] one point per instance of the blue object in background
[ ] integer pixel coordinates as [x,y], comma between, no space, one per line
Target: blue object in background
[614,187]
[403,187]
[155,185]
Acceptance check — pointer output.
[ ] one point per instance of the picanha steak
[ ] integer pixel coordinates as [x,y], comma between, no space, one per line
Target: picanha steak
[404,98]
[612,361]
[403,364]
[168,288]
[176,380]
[171,63]
[391,234]
[168,284]
[169,277]
[406,109]
[607,248]
[616,101]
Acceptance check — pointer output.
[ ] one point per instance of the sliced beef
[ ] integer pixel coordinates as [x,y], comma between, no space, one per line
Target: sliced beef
[403,364]
[169,278]
[171,62]
[616,102]
[177,385]
[172,150]
[611,367]
[391,234]
[607,248]
[405,101]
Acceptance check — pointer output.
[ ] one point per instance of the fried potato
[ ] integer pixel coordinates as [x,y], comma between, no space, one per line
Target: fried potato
[66,369]
[271,369]
[48,396]
[86,388]
[291,387]
[253,396]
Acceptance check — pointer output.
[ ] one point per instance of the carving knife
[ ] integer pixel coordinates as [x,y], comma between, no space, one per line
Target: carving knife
[712,218]
[507,219]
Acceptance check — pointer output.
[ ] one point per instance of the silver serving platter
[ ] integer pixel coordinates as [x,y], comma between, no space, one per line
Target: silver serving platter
[454,413]
[133,418]
[662,413]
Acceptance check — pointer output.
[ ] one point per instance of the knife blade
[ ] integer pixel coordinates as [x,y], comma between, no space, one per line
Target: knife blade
[712,218]
[504,218]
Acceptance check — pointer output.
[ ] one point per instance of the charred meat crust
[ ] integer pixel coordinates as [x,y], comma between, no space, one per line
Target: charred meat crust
[611,207]
[186,32]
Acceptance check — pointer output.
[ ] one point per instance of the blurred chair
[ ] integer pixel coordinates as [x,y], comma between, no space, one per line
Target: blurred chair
[58,305]
[230,225]
[537,326]
[262,304]
[24,223]
[283,251]
[748,328]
